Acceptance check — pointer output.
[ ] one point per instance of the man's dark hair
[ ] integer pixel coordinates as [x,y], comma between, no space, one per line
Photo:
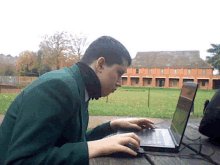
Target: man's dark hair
[109,48]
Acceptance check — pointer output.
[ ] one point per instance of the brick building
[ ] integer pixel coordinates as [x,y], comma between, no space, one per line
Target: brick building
[170,69]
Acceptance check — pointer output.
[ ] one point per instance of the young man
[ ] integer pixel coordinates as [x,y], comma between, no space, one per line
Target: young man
[47,122]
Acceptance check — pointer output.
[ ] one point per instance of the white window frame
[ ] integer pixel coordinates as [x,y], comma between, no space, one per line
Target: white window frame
[189,71]
[175,71]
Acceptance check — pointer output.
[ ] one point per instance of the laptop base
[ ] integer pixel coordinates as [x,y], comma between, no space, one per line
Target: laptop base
[160,149]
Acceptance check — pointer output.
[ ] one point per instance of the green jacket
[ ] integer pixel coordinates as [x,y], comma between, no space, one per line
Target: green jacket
[47,122]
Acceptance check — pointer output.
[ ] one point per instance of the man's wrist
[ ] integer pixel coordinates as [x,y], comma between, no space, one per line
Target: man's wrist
[114,125]
[94,149]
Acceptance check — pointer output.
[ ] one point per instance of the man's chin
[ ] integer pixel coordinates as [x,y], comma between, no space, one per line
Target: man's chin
[105,95]
[113,90]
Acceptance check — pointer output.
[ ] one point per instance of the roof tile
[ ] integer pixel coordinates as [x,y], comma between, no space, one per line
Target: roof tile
[169,59]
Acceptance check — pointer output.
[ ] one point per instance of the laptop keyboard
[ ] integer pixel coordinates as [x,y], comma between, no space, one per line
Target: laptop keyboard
[153,137]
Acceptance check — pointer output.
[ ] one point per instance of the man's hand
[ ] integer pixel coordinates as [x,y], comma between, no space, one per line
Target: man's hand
[131,124]
[114,144]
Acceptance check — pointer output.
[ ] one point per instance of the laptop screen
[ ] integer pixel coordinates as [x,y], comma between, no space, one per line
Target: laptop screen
[183,108]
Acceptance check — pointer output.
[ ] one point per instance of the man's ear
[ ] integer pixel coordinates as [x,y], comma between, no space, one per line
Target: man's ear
[99,66]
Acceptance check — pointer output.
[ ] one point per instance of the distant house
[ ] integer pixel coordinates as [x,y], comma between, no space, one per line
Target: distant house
[170,69]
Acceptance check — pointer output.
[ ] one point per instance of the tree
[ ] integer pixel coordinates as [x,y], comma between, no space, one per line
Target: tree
[214,59]
[26,62]
[77,48]
[62,49]
[9,71]
[45,69]
[7,61]
[40,59]
[55,47]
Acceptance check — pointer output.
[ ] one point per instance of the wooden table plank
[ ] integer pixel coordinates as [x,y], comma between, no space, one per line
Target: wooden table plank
[192,133]
[110,160]
[174,158]
[119,159]
[165,158]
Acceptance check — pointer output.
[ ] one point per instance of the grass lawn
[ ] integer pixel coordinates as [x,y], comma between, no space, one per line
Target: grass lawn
[133,101]
[5,101]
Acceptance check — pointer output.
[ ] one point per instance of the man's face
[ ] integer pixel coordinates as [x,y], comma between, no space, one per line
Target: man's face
[111,78]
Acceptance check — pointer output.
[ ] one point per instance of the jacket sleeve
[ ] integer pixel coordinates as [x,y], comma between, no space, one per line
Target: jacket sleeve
[99,132]
[41,118]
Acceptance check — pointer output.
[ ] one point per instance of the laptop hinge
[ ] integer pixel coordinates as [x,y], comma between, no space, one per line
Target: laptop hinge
[174,140]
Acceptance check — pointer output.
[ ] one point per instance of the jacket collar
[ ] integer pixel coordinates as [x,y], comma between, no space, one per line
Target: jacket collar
[91,81]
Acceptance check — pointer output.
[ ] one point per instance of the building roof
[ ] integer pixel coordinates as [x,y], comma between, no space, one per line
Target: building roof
[169,59]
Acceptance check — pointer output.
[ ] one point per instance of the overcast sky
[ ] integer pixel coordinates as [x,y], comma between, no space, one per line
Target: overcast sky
[148,25]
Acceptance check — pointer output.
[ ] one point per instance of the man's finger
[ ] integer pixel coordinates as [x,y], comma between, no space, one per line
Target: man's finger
[133,142]
[136,137]
[142,121]
[148,126]
[147,121]
[135,126]
[127,150]
[132,135]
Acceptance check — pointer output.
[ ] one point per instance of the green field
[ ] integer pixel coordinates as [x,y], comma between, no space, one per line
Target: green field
[133,101]
[5,101]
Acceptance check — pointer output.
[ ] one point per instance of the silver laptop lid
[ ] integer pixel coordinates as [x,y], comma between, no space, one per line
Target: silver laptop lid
[182,113]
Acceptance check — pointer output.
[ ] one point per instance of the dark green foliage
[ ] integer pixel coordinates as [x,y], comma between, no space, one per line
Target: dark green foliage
[45,69]
[215,50]
[35,71]
[214,59]
[9,71]
[41,69]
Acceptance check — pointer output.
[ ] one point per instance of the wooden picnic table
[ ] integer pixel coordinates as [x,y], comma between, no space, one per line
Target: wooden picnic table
[163,158]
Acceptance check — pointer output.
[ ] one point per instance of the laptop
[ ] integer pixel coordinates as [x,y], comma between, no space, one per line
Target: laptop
[169,139]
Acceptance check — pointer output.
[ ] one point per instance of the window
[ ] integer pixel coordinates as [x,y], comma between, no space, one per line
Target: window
[149,71]
[203,82]
[161,71]
[149,81]
[137,71]
[189,71]
[203,71]
[175,71]
[137,81]
[174,83]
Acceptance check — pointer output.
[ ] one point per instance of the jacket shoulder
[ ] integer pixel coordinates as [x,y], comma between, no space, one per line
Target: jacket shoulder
[60,75]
